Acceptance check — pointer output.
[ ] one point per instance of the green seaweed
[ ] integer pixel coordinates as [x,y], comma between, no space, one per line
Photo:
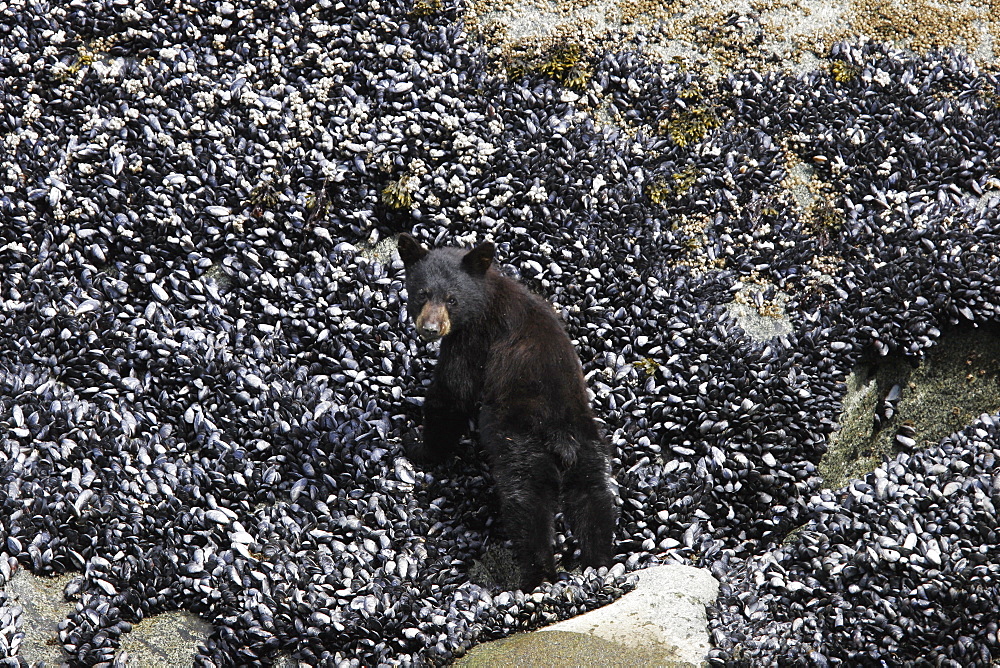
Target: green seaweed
[824,220]
[264,196]
[648,366]
[318,204]
[562,62]
[667,188]
[397,194]
[690,125]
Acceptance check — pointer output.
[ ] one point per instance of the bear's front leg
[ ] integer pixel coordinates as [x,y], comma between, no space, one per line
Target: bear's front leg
[444,426]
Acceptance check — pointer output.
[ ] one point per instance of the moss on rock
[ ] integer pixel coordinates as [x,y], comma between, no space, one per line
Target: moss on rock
[957,381]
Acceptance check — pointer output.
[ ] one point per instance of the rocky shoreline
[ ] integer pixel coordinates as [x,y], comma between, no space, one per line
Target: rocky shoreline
[206,373]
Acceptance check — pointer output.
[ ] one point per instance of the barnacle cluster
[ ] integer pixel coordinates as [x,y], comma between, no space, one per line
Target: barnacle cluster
[426,7]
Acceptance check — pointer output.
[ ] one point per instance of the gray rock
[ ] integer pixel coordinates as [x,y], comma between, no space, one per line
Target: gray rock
[792,35]
[166,640]
[43,604]
[163,641]
[661,623]
[666,611]
[952,385]
[562,649]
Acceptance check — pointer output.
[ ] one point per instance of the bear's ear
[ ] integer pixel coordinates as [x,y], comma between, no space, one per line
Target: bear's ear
[410,252]
[479,259]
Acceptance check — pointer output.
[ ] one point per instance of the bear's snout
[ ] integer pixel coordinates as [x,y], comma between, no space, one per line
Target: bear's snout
[433,322]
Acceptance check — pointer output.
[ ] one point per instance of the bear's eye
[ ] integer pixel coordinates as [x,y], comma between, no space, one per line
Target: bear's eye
[451,301]
[422,295]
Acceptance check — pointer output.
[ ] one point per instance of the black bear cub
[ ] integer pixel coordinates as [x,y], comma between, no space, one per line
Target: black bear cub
[504,353]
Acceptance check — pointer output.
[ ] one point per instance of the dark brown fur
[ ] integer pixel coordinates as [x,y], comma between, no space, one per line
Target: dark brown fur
[505,354]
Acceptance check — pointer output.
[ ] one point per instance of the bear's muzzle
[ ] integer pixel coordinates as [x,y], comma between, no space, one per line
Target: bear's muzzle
[433,322]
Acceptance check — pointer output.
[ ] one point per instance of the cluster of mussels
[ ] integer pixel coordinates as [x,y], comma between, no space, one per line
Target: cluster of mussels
[206,373]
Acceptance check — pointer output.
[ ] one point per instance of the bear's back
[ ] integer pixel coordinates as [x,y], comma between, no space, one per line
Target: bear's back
[533,373]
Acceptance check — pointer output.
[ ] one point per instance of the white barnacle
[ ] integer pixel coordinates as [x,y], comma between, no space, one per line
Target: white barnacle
[456,186]
[537,192]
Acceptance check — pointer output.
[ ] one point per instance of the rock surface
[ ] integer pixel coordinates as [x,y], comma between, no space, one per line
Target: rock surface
[564,649]
[662,622]
[893,406]
[723,35]
[43,605]
[762,318]
[167,640]
[666,610]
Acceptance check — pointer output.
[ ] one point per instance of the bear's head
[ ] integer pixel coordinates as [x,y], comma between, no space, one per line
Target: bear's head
[447,287]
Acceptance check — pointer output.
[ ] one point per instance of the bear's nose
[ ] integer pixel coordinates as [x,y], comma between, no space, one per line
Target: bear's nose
[433,322]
